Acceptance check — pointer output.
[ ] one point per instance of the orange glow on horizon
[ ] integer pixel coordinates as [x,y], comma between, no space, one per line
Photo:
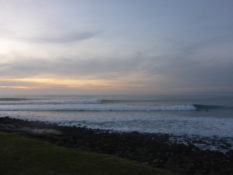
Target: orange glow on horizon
[59,81]
[16,87]
[86,83]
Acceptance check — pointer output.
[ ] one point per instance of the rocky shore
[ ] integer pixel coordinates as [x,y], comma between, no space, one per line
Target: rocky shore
[152,149]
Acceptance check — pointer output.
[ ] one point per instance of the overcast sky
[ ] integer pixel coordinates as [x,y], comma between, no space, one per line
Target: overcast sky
[116,46]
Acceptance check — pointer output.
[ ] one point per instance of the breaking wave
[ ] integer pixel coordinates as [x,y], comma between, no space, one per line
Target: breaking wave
[110,108]
[96,104]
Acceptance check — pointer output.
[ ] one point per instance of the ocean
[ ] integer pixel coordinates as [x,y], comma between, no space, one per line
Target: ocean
[206,115]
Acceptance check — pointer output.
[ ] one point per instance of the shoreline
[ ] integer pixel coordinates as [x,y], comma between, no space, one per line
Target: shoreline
[156,150]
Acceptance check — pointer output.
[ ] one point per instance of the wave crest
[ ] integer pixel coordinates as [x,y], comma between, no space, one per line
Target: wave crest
[111,108]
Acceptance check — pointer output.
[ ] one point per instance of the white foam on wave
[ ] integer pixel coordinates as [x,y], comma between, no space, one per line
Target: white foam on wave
[183,130]
[107,108]
[177,124]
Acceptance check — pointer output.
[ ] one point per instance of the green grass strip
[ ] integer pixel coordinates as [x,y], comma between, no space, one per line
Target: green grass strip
[25,156]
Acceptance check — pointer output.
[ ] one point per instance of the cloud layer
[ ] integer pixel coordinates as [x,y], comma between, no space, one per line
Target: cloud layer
[152,46]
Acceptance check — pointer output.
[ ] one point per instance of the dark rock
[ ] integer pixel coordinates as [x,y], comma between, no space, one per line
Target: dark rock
[149,149]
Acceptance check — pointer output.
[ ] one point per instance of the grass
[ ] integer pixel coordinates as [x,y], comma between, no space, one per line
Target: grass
[25,156]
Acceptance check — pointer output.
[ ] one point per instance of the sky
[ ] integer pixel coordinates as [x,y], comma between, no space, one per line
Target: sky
[116,46]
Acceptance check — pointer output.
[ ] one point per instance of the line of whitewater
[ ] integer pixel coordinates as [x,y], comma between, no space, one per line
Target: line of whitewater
[109,108]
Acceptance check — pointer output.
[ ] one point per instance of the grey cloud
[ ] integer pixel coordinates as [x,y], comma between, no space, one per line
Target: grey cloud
[13,83]
[103,68]
[188,67]
[62,38]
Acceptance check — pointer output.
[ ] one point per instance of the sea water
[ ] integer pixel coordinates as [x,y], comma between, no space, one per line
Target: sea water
[205,115]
